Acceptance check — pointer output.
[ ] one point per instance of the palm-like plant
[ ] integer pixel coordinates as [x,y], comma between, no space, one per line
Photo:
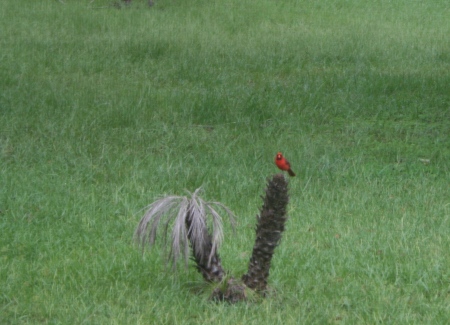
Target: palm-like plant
[196,223]
[269,228]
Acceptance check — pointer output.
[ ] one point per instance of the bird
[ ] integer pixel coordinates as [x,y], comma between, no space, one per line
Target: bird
[283,164]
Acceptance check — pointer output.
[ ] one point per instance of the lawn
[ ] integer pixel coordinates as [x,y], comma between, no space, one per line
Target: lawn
[105,109]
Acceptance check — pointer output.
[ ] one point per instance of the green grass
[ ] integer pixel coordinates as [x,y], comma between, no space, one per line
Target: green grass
[103,110]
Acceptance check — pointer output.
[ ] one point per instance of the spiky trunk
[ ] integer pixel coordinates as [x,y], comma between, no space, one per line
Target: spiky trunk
[269,228]
[209,265]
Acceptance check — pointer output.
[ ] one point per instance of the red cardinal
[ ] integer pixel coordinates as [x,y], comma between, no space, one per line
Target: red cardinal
[283,164]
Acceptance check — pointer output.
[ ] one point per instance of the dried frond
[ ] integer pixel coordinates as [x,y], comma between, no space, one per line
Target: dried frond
[166,208]
[194,222]
[217,234]
[180,234]
[197,222]
[152,216]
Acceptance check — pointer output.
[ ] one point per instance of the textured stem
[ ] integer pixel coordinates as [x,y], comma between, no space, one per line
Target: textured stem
[269,228]
[210,269]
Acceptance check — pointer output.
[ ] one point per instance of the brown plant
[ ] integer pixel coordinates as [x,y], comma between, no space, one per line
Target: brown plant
[195,223]
[269,228]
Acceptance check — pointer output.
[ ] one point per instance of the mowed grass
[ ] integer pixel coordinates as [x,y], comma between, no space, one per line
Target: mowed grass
[103,110]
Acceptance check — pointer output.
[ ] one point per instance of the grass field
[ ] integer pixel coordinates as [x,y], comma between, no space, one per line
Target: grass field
[103,110]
